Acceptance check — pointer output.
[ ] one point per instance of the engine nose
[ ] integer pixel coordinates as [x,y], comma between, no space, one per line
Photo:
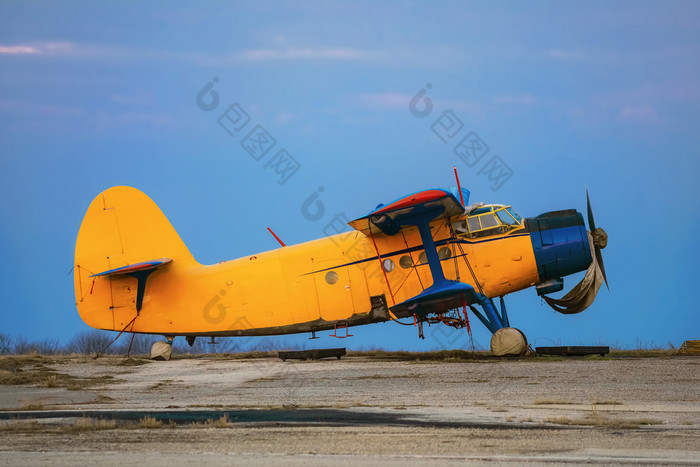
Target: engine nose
[560,242]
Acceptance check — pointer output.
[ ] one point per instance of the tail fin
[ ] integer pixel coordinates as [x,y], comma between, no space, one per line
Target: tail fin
[121,227]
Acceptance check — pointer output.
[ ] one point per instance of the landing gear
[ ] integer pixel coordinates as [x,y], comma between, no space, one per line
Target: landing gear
[509,342]
[162,350]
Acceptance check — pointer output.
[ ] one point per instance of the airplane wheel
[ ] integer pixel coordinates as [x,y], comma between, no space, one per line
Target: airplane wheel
[161,350]
[524,337]
[508,342]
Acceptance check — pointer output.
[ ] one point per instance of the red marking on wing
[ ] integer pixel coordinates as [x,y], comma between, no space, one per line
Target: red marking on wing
[414,199]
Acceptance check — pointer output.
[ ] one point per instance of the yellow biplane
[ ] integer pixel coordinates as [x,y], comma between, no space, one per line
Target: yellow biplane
[426,257]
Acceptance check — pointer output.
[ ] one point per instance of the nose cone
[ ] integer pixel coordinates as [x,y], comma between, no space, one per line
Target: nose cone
[560,242]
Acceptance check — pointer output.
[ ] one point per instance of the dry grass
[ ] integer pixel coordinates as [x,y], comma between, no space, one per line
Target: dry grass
[613,403]
[32,370]
[597,420]
[396,376]
[436,356]
[51,381]
[161,384]
[133,361]
[23,426]
[262,380]
[642,353]
[563,420]
[372,377]
[79,425]
[552,402]
[90,424]
[150,422]
[221,422]
[33,407]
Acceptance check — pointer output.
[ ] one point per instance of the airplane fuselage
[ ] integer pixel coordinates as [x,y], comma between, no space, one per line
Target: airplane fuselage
[348,279]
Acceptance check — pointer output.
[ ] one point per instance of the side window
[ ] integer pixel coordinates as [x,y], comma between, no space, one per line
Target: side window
[488,221]
[473,224]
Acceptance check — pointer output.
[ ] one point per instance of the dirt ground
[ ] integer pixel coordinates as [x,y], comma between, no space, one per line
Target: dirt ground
[360,410]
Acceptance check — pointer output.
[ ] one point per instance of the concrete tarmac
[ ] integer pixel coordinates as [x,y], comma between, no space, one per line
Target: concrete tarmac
[359,410]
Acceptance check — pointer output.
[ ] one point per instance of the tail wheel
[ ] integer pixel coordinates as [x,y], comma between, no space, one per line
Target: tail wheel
[161,350]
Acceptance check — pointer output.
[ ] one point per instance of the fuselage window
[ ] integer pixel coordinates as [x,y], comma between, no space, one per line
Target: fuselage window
[388,265]
[331,277]
[444,253]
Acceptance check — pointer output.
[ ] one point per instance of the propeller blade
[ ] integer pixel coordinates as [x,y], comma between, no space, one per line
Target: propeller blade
[599,257]
[592,228]
[591,222]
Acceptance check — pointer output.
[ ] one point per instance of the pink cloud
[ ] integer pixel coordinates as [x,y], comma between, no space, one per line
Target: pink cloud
[18,49]
[638,113]
[43,48]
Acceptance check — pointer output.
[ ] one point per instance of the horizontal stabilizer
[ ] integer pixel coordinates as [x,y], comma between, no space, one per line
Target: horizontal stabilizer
[135,268]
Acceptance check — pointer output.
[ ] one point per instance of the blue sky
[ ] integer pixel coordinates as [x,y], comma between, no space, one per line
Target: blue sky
[566,94]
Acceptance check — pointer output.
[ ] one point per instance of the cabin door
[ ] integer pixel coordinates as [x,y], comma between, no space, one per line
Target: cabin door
[333,290]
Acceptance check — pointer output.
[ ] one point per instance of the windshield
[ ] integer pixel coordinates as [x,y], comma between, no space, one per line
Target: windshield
[489,220]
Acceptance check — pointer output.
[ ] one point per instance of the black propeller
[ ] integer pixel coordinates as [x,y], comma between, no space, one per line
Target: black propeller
[600,239]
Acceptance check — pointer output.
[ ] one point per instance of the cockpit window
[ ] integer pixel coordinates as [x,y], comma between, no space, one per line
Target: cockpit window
[473,223]
[506,218]
[515,215]
[481,210]
[488,220]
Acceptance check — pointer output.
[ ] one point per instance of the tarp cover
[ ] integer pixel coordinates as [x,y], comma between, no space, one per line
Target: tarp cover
[580,297]
[161,351]
[508,341]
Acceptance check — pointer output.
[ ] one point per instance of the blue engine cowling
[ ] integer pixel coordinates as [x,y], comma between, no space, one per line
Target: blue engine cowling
[560,242]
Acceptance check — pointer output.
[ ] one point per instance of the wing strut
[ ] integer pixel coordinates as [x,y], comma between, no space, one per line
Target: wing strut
[442,290]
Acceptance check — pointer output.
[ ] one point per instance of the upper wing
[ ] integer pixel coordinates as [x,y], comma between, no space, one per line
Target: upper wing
[420,210]
[389,219]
